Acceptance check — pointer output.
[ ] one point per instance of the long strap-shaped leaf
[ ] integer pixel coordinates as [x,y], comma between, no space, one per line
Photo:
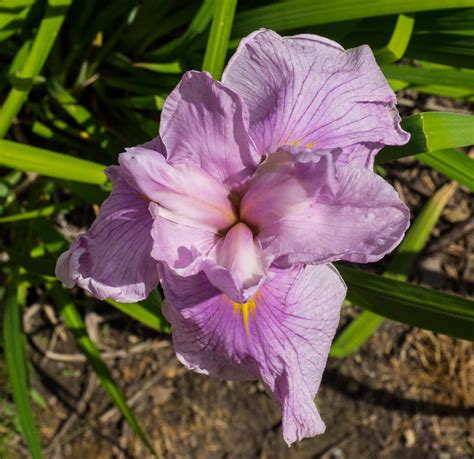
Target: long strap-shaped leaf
[432,131]
[26,158]
[197,26]
[148,312]
[453,163]
[303,13]
[216,50]
[411,304]
[44,40]
[398,43]
[365,325]
[16,365]
[73,321]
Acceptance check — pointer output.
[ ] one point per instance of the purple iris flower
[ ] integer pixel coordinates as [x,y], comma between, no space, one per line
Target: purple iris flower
[253,187]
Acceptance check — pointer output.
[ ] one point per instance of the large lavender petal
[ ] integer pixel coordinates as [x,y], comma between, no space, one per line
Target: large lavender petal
[283,336]
[355,216]
[112,260]
[205,123]
[306,90]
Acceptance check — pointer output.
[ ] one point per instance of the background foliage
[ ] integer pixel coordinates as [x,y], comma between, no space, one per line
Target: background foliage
[81,79]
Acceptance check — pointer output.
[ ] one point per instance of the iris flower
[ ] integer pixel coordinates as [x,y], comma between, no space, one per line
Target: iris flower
[253,187]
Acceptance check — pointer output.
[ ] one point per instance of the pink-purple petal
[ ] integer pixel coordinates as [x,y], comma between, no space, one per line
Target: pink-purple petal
[237,266]
[284,185]
[283,339]
[358,217]
[112,260]
[205,123]
[185,193]
[306,90]
[181,247]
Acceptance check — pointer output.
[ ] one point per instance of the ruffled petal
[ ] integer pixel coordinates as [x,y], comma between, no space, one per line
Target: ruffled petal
[306,90]
[185,193]
[356,216]
[237,265]
[112,260]
[181,247]
[282,336]
[205,123]
[282,186]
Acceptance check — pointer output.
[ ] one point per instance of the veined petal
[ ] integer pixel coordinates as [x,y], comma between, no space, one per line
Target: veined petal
[237,265]
[306,90]
[205,123]
[281,336]
[282,186]
[359,218]
[185,193]
[112,260]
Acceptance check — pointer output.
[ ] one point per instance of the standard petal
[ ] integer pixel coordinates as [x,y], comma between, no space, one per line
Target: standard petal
[185,193]
[281,187]
[282,336]
[206,124]
[112,260]
[359,217]
[306,90]
[237,265]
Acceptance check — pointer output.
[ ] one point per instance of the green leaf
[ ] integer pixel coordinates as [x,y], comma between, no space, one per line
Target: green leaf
[432,131]
[218,41]
[148,312]
[364,326]
[15,360]
[453,163]
[411,304]
[44,40]
[27,158]
[396,47]
[73,321]
[197,26]
[78,113]
[38,213]
[304,13]
[423,76]
[449,49]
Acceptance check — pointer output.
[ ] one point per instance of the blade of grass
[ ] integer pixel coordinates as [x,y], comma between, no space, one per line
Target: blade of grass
[78,113]
[411,304]
[218,41]
[303,13]
[73,321]
[148,312]
[422,76]
[197,26]
[453,163]
[365,325]
[26,158]
[398,44]
[15,360]
[43,42]
[432,131]
[449,49]
[38,213]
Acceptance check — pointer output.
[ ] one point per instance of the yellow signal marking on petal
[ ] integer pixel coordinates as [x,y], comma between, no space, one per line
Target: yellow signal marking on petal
[298,142]
[247,309]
